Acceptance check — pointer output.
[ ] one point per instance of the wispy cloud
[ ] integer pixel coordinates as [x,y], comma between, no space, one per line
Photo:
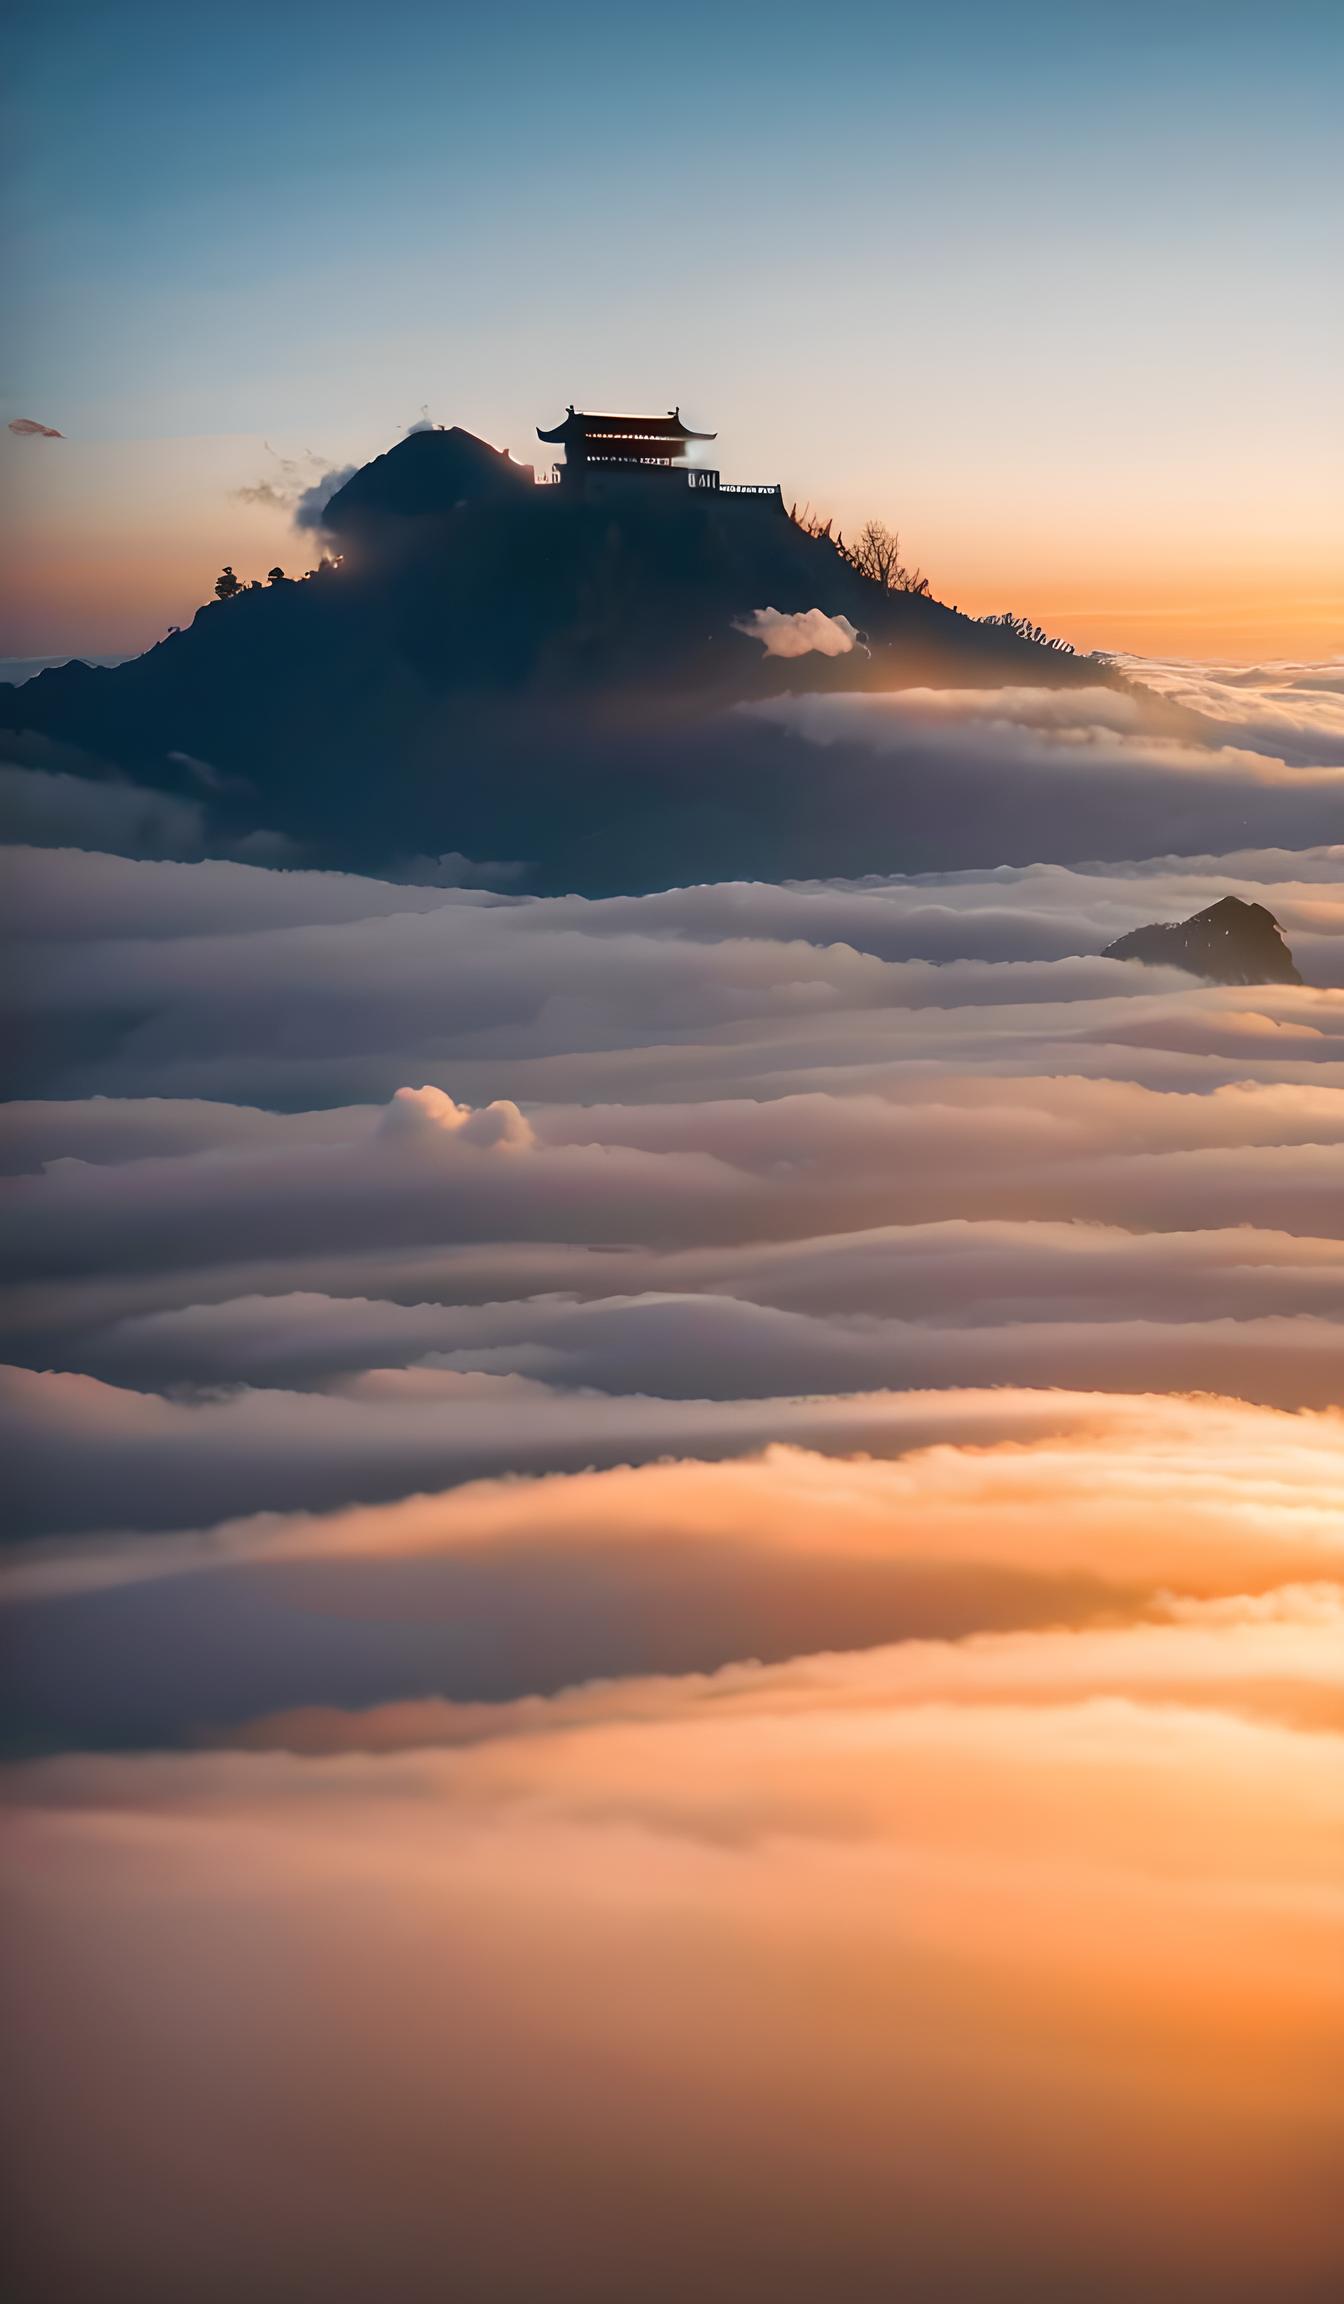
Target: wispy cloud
[1293,710]
[301,486]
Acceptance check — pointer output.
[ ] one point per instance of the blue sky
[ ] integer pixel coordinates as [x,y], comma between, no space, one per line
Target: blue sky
[987,270]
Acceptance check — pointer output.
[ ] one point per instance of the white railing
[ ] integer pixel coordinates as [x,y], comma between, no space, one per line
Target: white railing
[701,478]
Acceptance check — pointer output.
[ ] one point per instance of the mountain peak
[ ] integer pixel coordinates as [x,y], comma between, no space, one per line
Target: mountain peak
[430,471]
[1230,942]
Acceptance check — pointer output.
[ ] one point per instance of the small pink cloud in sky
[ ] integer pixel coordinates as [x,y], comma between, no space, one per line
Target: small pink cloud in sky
[29,428]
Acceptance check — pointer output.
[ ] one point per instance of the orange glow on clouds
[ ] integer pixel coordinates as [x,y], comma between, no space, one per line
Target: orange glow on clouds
[1018,1950]
[953,1967]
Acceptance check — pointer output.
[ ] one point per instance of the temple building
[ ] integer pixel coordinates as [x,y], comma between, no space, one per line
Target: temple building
[606,453]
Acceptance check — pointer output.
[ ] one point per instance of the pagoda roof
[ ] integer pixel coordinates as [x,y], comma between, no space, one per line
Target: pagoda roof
[580,426]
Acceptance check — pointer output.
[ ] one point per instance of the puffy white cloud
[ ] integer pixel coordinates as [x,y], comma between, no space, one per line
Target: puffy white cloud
[426,1115]
[805,632]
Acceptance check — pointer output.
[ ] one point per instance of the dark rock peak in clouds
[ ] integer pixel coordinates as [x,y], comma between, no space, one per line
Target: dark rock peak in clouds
[1230,942]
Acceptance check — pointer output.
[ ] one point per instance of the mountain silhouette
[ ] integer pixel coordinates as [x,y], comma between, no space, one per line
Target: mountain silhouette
[428,473]
[521,671]
[1230,942]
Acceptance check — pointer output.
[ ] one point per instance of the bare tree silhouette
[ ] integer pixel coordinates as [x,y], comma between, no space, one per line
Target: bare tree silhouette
[877,555]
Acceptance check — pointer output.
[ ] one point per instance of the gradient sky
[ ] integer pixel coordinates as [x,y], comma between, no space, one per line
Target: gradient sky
[1053,288]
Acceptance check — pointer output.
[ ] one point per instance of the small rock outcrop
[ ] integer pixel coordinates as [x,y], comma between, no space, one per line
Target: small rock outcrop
[1229,943]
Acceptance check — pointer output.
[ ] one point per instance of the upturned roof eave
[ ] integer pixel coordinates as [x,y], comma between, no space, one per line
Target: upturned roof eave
[580,422]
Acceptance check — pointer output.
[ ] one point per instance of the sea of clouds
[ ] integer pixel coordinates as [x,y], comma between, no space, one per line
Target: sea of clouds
[673,1616]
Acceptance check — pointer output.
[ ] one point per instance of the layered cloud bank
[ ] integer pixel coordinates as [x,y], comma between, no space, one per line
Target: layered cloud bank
[879,1973]
[817,774]
[673,1614]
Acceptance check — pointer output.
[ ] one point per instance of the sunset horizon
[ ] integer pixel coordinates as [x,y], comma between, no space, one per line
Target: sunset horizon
[123,538]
